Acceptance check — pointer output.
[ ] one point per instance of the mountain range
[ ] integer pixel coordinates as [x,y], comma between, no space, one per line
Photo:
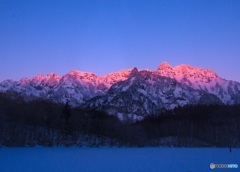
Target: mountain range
[131,93]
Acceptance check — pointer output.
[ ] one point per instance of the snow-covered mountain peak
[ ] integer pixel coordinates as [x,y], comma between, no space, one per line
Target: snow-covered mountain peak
[164,66]
[134,72]
[77,73]
[4,85]
[123,72]
[191,70]
[111,78]
[24,81]
[195,75]
[136,91]
[198,78]
[80,76]
[39,76]
[184,71]
[50,75]
[45,77]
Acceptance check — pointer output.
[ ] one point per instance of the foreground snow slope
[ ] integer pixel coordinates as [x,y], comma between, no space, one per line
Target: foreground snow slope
[116,159]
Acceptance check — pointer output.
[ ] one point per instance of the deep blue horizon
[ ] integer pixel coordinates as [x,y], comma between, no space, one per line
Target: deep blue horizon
[102,36]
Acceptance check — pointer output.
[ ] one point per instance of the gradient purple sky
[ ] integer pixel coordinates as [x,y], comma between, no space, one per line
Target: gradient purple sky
[103,36]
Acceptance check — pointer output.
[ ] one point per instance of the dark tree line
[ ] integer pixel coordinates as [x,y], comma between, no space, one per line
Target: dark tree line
[199,125]
[48,124]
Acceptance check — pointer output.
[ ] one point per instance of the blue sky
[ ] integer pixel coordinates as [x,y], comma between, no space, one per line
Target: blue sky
[103,36]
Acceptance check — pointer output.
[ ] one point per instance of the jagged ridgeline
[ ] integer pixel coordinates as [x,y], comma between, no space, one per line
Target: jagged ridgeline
[44,123]
[129,94]
[170,106]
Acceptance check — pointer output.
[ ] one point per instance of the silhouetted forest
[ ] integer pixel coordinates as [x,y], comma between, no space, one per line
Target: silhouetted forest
[48,124]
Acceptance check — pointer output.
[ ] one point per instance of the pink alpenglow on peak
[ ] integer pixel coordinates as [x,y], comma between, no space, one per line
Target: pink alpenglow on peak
[190,70]
[79,87]
[79,75]
[197,78]
[164,66]
[184,71]
[54,75]
[111,78]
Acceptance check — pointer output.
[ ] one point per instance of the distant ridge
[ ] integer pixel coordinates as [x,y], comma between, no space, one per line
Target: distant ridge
[130,93]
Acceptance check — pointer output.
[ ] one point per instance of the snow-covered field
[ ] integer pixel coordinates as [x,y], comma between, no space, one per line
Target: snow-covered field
[116,159]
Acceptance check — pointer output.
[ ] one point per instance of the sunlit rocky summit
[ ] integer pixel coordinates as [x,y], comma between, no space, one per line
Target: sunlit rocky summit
[130,93]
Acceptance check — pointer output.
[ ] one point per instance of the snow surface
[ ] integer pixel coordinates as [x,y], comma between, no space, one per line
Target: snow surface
[116,159]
